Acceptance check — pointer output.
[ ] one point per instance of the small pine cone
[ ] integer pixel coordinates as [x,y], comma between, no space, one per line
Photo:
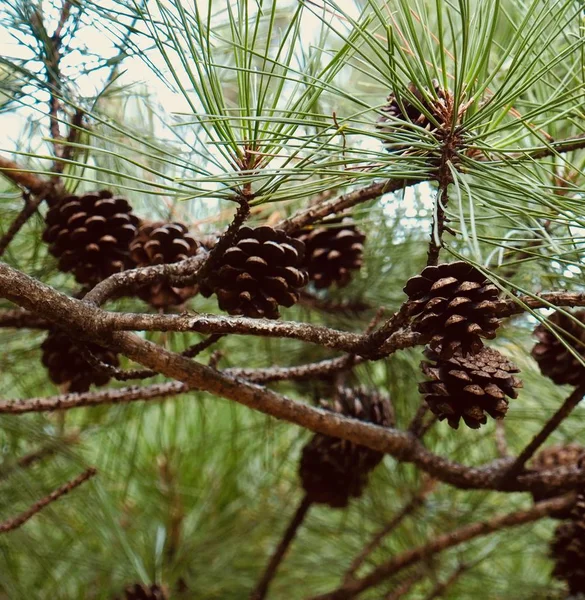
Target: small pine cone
[163,243]
[555,361]
[90,235]
[262,270]
[64,359]
[139,591]
[568,549]
[333,470]
[405,110]
[559,455]
[469,387]
[453,306]
[333,249]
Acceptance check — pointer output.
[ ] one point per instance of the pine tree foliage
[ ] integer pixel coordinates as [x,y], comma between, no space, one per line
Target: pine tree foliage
[186,108]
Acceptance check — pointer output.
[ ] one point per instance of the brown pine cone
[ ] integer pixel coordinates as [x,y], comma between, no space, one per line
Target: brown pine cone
[453,306]
[559,455]
[64,359]
[262,270]
[333,249]
[140,591]
[163,243]
[333,470]
[469,387]
[406,110]
[568,549]
[556,361]
[90,235]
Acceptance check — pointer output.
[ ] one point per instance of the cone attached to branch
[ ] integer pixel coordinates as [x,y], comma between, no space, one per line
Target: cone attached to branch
[67,365]
[163,243]
[400,112]
[260,272]
[333,470]
[469,388]
[559,455]
[453,305]
[553,357]
[333,249]
[568,549]
[140,591]
[91,234]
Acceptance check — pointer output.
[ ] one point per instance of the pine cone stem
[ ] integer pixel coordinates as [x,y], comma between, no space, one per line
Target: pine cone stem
[259,592]
[562,413]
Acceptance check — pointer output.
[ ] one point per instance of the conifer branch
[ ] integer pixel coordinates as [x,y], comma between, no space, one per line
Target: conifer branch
[37,507]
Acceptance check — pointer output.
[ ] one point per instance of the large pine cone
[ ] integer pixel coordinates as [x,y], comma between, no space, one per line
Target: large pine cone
[559,455]
[139,591]
[64,359]
[333,249]
[469,387]
[454,306]
[163,243]
[90,235]
[556,361]
[405,110]
[333,470]
[262,270]
[568,549]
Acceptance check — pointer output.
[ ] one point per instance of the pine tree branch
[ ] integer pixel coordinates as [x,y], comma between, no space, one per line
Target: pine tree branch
[88,323]
[408,509]
[22,177]
[336,205]
[22,319]
[21,519]
[442,586]
[404,587]
[443,542]
[562,413]
[103,397]
[30,208]
[261,589]
[37,455]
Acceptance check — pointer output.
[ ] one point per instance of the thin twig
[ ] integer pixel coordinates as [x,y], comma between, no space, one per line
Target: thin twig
[405,586]
[409,508]
[196,349]
[501,441]
[417,423]
[261,589]
[443,586]
[37,455]
[562,413]
[30,207]
[442,542]
[21,519]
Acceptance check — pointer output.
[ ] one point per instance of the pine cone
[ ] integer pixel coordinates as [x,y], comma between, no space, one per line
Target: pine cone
[467,388]
[555,361]
[333,249]
[568,549]
[163,243]
[333,470]
[139,591]
[453,306]
[262,270]
[403,109]
[90,235]
[64,359]
[559,455]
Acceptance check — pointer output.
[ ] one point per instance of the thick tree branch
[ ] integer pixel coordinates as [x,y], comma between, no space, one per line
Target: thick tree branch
[85,321]
[443,542]
[21,519]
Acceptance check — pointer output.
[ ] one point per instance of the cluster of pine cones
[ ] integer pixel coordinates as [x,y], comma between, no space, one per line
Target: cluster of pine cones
[97,234]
